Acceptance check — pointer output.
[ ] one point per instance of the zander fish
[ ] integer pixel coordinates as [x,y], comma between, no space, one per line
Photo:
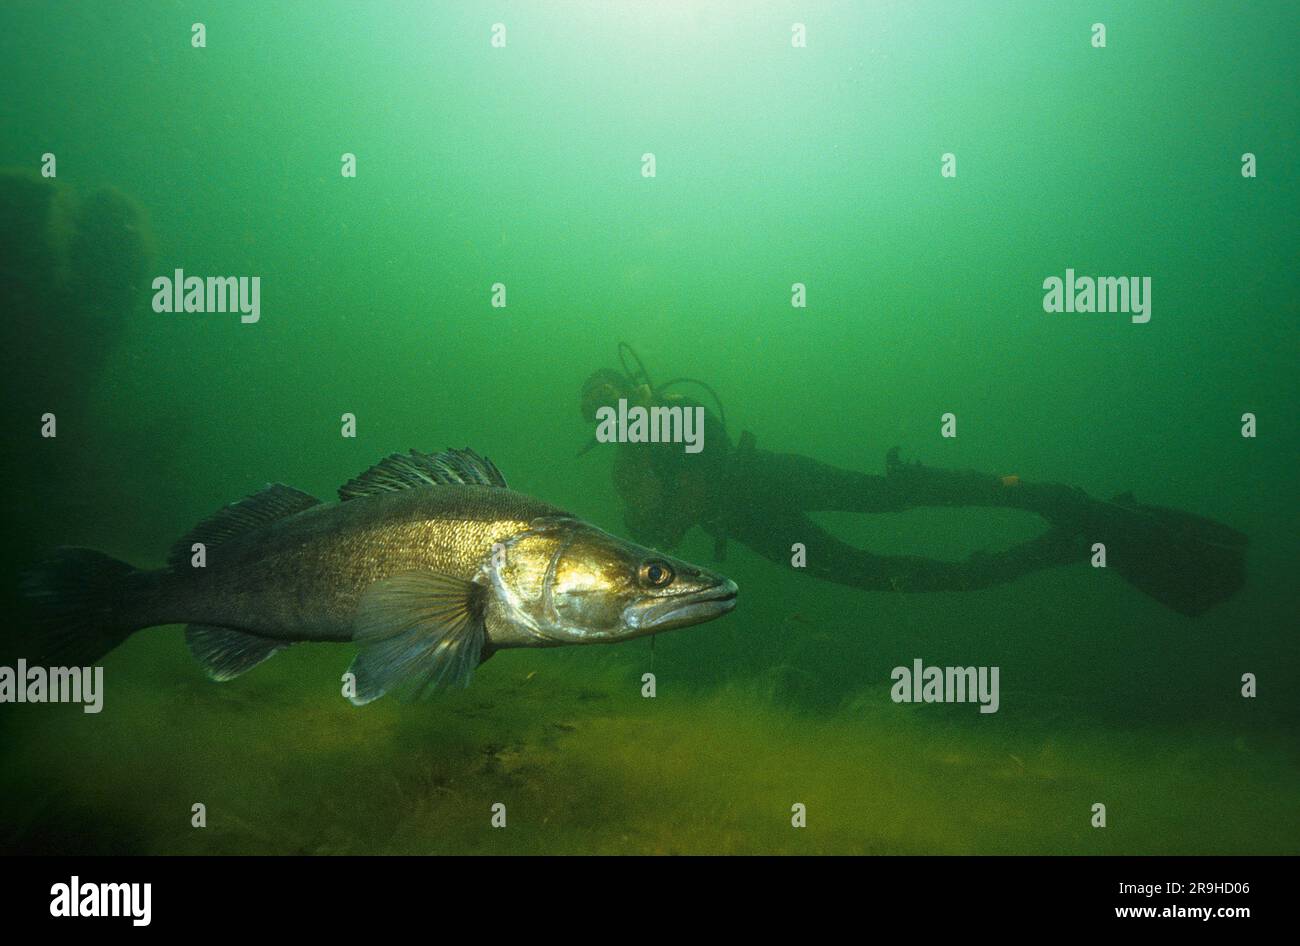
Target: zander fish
[429,564]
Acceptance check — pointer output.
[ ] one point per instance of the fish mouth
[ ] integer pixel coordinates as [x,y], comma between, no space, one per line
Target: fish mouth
[694,607]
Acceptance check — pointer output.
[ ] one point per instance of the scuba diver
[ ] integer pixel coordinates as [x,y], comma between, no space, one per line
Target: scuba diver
[762,499]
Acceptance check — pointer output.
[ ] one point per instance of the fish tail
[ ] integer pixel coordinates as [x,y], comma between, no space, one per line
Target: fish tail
[75,599]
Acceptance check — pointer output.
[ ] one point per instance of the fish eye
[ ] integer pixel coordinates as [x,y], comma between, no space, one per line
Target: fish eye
[657,574]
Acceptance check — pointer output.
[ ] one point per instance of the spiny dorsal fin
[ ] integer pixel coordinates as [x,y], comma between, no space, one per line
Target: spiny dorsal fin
[404,471]
[225,654]
[417,632]
[274,502]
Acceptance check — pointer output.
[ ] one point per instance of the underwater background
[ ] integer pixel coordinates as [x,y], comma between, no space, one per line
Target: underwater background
[775,165]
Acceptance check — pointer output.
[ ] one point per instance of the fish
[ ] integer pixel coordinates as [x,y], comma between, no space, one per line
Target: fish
[429,564]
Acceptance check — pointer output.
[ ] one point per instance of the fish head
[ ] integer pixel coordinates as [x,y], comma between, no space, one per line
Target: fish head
[571,583]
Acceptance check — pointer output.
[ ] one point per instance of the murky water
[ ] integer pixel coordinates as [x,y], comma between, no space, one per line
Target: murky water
[524,165]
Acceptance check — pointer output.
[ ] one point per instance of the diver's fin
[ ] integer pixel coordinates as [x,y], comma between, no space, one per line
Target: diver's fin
[225,654]
[275,501]
[417,632]
[404,471]
[1186,562]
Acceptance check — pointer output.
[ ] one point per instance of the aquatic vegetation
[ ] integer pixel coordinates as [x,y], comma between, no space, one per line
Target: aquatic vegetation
[584,764]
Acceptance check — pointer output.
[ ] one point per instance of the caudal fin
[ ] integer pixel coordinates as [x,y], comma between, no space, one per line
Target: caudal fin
[75,601]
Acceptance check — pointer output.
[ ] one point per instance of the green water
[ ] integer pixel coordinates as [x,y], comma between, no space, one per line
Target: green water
[821,165]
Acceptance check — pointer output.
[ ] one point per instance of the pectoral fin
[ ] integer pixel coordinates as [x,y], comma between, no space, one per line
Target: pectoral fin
[417,633]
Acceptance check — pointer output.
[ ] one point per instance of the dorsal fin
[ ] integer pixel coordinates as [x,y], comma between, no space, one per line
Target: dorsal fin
[404,471]
[276,501]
